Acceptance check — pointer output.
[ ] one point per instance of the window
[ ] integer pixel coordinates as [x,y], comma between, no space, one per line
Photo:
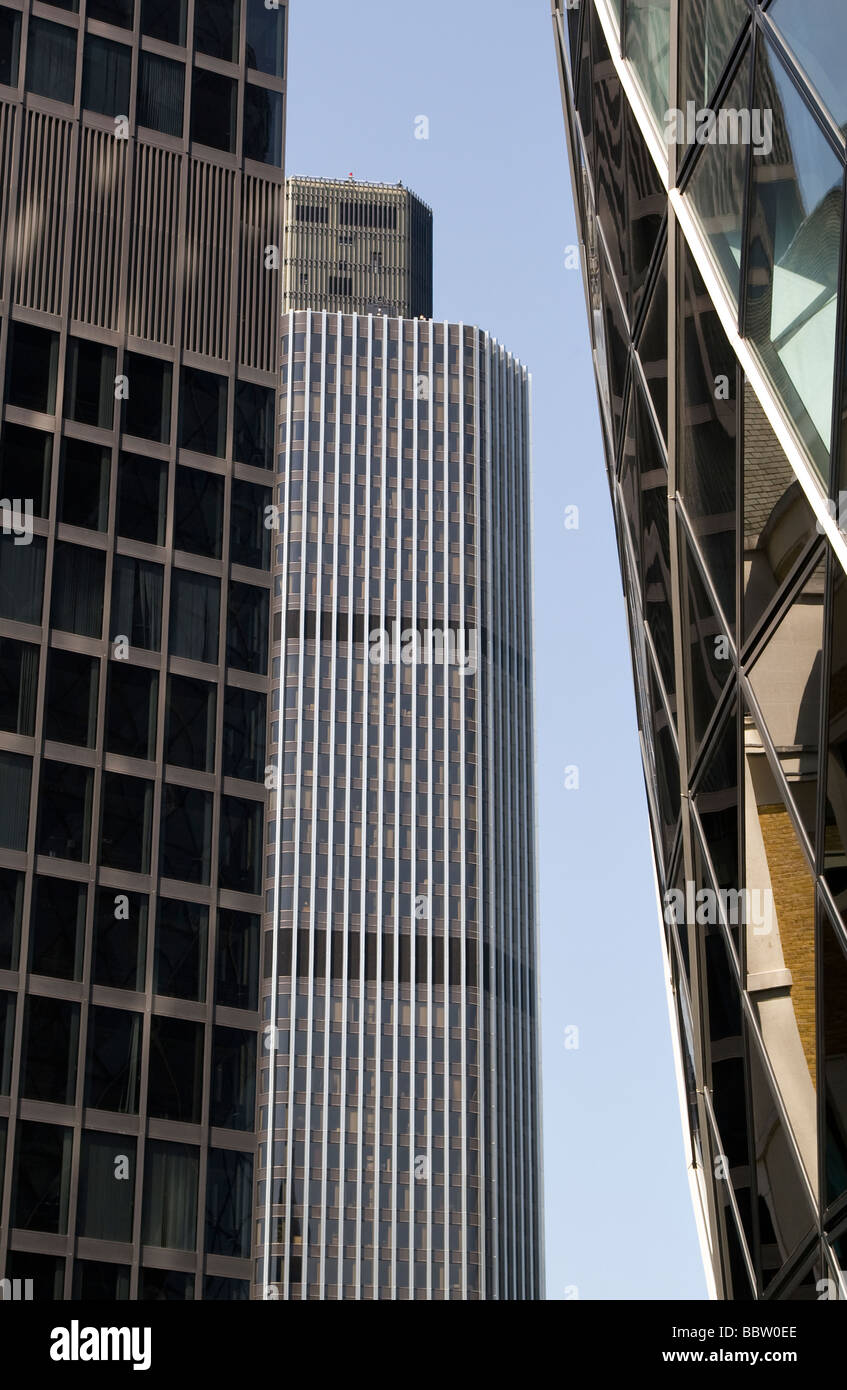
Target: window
[171,1174]
[11,917]
[106,1186]
[84,485]
[216,24]
[237,960]
[217,1289]
[165,1285]
[266,39]
[249,537]
[142,498]
[51,1036]
[57,930]
[233,1085]
[131,710]
[161,88]
[181,935]
[113,1068]
[247,628]
[42,1178]
[195,615]
[25,466]
[241,845]
[137,602]
[262,125]
[213,109]
[126,823]
[79,575]
[90,383]
[203,412]
[120,939]
[105,76]
[10,46]
[186,847]
[51,60]
[64,810]
[198,512]
[147,408]
[97,1282]
[33,357]
[245,714]
[15,779]
[190,728]
[229,1203]
[22,579]
[175,1084]
[18,687]
[255,411]
[71,709]
[118,12]
[46,1271]
[164,19]
[7,1042]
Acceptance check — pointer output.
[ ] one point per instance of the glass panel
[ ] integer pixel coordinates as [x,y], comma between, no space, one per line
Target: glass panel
[609,177]
[147,407]
[142,498]
[10,46]
[213,109]
[64,810]
[233,1084]
[11,917]
[137,602]
[249,537]
[100,1283]
[79,575]
[818,35]
[15,779]
[255,411]
[84,485]
[647,46]
[165,1285]
[50,1041]
[706,653]
[778,521]
[216,25]
[708,32]
[653,348]
[42,1179]
[780,938]
[120,939]
[237,964]
[51,60]
[186,845]
[244,734]
[57,928]
[47,1273]
[176,1069]
[247,628]
[786,681]
[229,1202]
[33,356]
[25,466]
[795,241]
[266,39]
[90,383]
[262,125]
[171,1173]
[667,767]
[131,710]
[241,845]
[717,190]
[161,91]
[164,19]
[217,1289]
[835,831]
[7,1043]
[655,547]
[190,728]
[18,686]
[127,818]
[202,411]
[106,1186]
[113,1069]
[119,12]
[834,1010]
[22,579]
[198,512]
[181,936]
[785,1218]
[106,75]
[195,615]
[717,805]
[646,202]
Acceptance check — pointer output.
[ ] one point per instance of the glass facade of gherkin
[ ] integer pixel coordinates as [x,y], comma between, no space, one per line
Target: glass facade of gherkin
[707,149]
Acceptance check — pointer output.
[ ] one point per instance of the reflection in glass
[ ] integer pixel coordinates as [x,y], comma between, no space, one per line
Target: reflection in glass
[784,1211]
[817,35]
[647,46]
[709,29]
[834,1010]
[171,1173]
[717,191]
[106,1186]
[57,928]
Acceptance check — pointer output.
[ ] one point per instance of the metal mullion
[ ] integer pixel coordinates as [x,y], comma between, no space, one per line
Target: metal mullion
[413,832]
[395,1215]
[322,1240]
[463,925]
[351,570]
[380,847]
[430,744]
[363,896]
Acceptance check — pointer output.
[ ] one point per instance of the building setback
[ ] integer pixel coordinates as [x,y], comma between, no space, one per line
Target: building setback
[399,988]
[141,213]
[711,252]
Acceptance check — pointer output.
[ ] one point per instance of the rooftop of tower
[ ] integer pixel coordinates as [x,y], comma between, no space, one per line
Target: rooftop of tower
[358,184]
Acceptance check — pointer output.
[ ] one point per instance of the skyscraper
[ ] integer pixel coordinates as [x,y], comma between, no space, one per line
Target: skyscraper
[141,213]
[706,143]
[399,984]
[357,248]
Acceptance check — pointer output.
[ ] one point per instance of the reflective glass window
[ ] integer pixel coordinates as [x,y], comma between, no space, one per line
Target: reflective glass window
[647,46]
[106,1186]
[51,60]
[213,109]
[262,125]
[190,728]
[244,734]
[241,845]
[266,39]
[105,76]
[171,1173]
[73,681]
[216,24]
[247,628]
[255,410]
[250,538]
[186,844]
[233,1084]
[25,465]
[137,602]
[10,46]
[142,498]
[33,358]
[127,811]
[90,383]
[22,579]
[113,1068]
[161,93]
[198,512]
[195,614]
[18,686]
[64,810]
[176,1069]
[817,36]
[182,931]
[203,412]
[229,1203]
[57,928]
[50,1041]
[42,1181]
[84,485]
[147,405]
[120,939]
[131,706]
[237,963]
[717,186]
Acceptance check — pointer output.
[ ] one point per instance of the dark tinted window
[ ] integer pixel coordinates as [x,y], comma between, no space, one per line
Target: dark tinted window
[95,1282]
[15,779]
[105,76]
[203,412]
[229,1201]
[161,90]
[21,579]
[250,538]
[51,1036]
[57,928]
[198,512]
[126,820]
[254,424]
[18,686]
[176,1070]
[90,383]
[120,12]
[213,110]
[186,846]
[51,60]
[25,466]
[64,810]
[33,361]
[131,710]
[241,844]
[262,124]
[181,936]
[11,917]
[41,1183]
[78,578]
[195,615]
[247,628]
[164,19]
[170,1197]
[237,963]
[216,24]
[142,498]
[190,729]
[147,408]
[245,712]
[120,938]
[233,1085]
[265,39]
[113,1069]
[72,686]
[106,1186]
[84,485]
[10,46]
[137,602]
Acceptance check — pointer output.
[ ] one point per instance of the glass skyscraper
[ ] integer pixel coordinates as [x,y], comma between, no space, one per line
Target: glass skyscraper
[707,148]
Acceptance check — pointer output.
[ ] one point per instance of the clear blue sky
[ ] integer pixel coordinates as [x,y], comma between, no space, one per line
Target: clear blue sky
[494,171]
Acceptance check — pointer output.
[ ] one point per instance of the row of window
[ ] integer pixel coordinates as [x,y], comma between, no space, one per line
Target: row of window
[99,1282]
[65,814]
[145,389]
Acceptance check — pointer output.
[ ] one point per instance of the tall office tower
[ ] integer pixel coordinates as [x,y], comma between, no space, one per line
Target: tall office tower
[400,1075]
[707,148]
[357,248]
[141,206]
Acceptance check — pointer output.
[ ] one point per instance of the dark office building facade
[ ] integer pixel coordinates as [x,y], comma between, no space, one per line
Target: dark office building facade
[707,148]
[141,215]
[399,1080]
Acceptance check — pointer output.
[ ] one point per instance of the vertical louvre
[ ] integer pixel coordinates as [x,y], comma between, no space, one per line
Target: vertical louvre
[259,298]
[209,253]
[155,244]
[7,144]
[40,235]
[97,261]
